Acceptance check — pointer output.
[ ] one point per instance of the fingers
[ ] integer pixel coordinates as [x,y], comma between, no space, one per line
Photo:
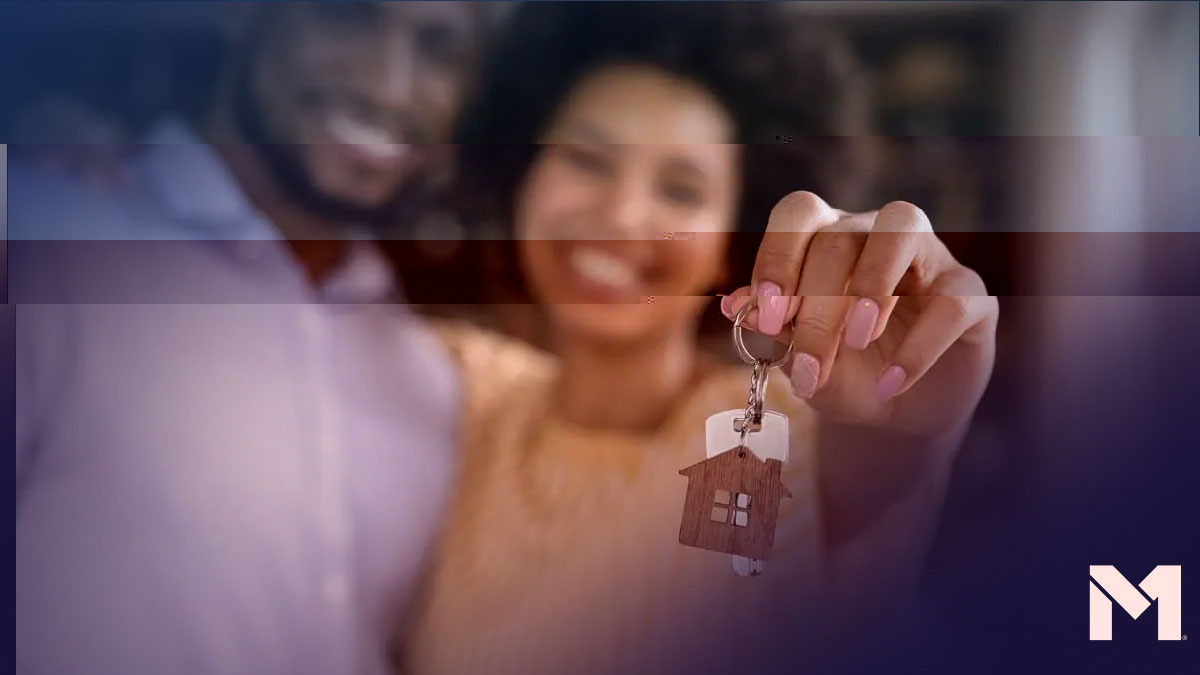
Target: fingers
[815,341]
[820,320]
[732,303]
[960,305]
[901,240]
[792,224]
[831,261]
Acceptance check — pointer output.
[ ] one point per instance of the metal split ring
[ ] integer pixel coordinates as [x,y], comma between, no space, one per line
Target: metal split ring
[740,343]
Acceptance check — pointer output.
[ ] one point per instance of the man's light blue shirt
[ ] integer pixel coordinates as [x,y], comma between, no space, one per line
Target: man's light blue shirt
[220,467]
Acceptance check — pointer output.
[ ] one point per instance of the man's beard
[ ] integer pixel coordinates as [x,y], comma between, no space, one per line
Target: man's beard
[412,199]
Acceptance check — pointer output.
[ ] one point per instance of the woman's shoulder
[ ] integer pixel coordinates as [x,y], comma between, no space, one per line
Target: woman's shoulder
[492,365]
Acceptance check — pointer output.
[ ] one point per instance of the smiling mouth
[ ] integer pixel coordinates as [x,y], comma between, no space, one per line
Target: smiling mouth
[600,268]
[372,142]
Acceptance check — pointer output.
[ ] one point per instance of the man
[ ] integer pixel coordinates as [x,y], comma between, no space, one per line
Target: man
[229,458]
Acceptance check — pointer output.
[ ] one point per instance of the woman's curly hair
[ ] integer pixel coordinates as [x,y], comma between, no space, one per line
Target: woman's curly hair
[785,81]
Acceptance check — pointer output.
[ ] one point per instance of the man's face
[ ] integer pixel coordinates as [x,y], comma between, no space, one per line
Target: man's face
[350,95]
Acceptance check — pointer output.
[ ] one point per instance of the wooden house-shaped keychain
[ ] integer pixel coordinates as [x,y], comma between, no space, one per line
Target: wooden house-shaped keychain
[732,503]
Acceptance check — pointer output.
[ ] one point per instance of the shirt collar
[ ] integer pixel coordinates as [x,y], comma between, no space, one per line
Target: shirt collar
[191,181]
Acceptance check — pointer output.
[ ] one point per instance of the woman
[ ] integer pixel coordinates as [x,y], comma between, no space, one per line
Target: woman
[561,554]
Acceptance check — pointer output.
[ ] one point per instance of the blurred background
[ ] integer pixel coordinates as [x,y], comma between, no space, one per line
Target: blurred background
[1053,144]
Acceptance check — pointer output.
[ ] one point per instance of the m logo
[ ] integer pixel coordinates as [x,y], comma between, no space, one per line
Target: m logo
[1163,584]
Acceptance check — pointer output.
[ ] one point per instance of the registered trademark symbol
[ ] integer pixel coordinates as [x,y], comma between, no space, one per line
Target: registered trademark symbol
[1184,637]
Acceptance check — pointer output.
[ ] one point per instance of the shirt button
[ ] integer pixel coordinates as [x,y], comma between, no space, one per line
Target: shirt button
[336,589]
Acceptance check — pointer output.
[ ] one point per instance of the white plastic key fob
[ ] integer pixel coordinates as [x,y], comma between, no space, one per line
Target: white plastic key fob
[771,442]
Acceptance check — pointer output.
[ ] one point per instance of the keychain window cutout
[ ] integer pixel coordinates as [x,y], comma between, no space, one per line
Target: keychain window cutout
[741,514]
[741,511]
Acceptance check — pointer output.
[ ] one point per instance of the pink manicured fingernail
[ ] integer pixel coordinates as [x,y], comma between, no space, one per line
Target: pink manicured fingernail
[860,325]
[772,308]
[889,382]
[725,307]
[806,370]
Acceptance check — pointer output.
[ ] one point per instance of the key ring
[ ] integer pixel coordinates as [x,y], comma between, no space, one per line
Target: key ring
[752,422]
[740,343]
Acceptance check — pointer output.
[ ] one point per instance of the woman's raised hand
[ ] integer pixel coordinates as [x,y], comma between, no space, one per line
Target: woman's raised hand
[890,331]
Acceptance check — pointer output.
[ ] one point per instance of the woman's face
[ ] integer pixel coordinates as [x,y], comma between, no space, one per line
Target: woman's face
[624,217]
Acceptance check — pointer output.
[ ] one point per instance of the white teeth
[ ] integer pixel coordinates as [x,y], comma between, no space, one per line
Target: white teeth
[602,268]
[371,140]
